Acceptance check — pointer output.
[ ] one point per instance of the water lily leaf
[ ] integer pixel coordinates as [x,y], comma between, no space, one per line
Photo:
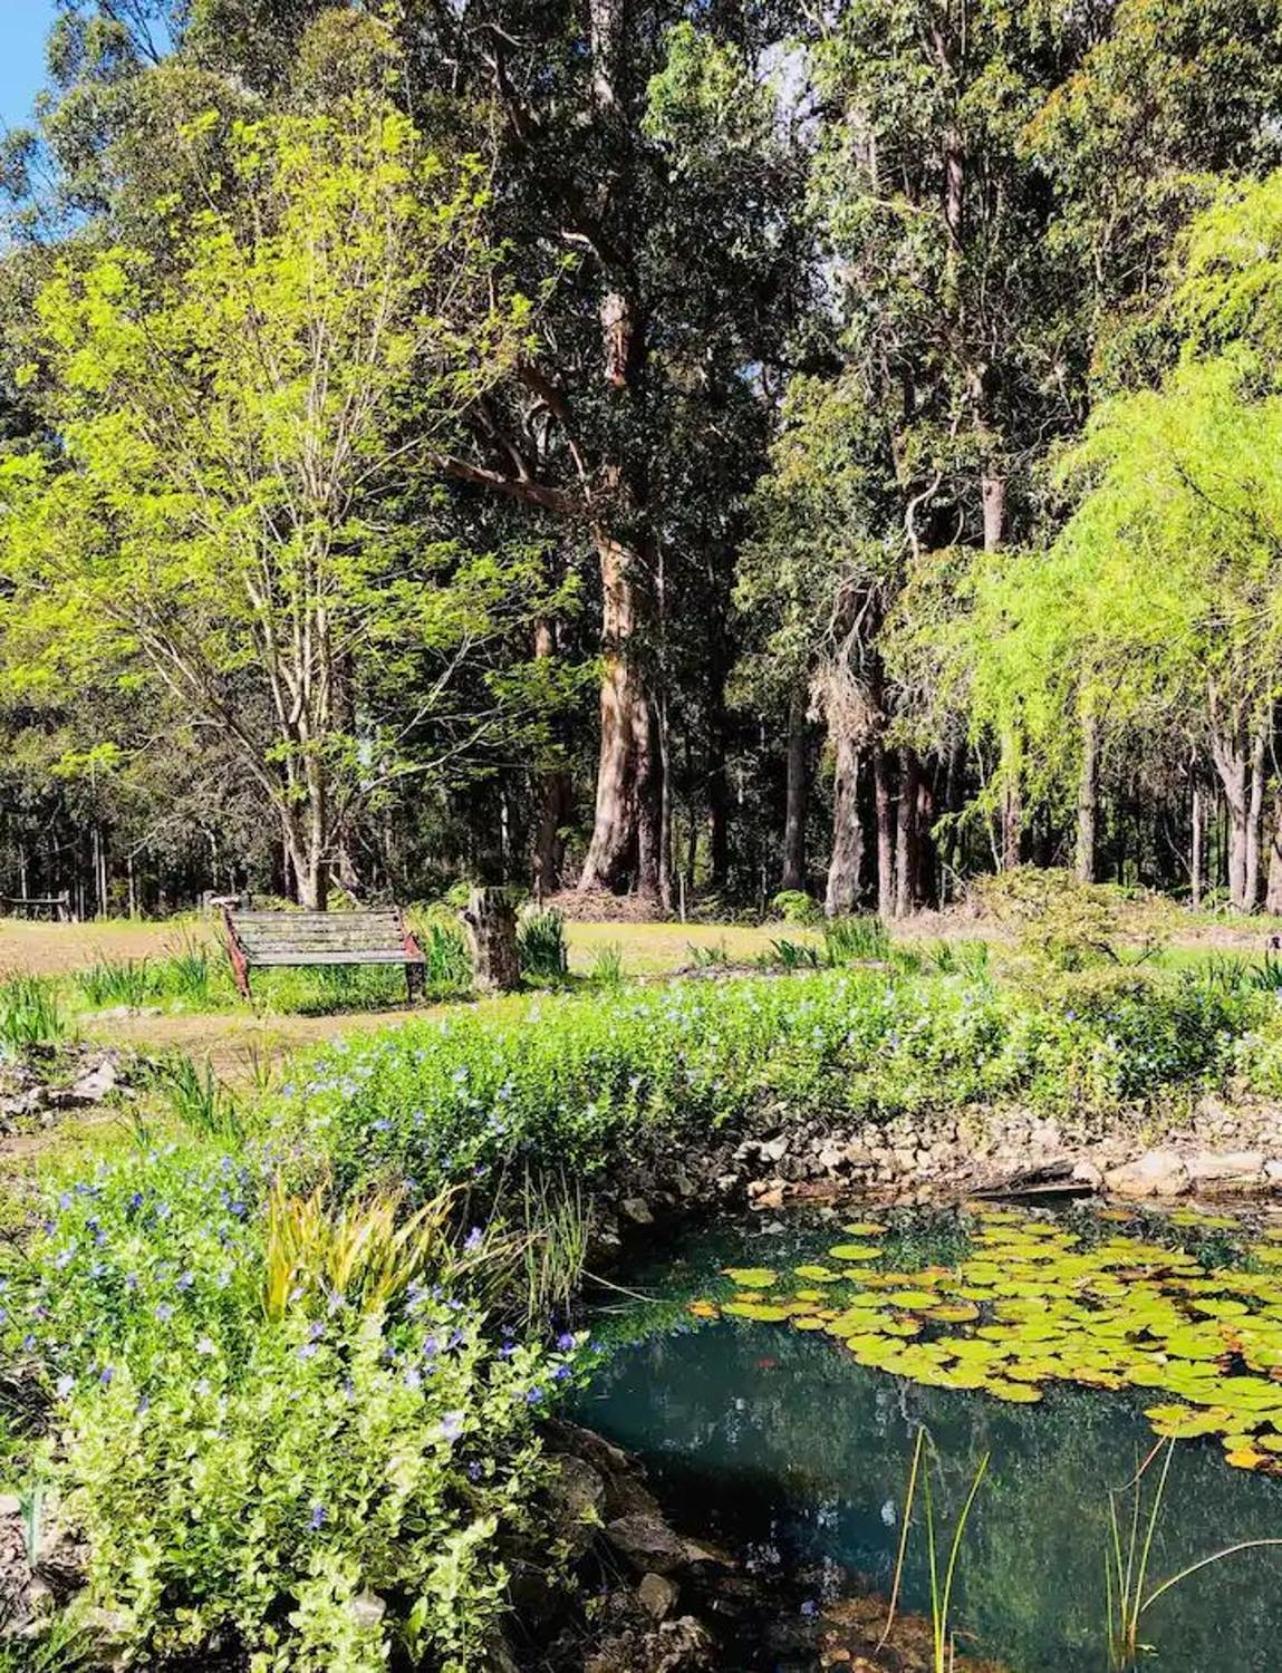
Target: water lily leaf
[952,1312]
[761,1311]
[750,1277]
[913,1298]
[902,1327]
[817,1274]
[855,1252]
[704,1310]
[865,1228]
[807,1321]
[1016,1393]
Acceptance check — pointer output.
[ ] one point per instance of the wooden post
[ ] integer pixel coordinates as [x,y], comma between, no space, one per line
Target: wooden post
[490,923]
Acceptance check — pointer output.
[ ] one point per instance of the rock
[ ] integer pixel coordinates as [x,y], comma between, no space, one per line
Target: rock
[577,1492]
[1273,1171]
[637,1209]
[647,1541]
[1087,1174]
[10,1505]
[367,1610]
[658,1595]
[93,1087]
[1157,1173]
[1225,1168]
[775,1149]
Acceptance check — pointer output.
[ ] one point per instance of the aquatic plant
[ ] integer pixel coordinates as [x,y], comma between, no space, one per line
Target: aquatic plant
[943,1647]
[1126,1563]
[1025,1301]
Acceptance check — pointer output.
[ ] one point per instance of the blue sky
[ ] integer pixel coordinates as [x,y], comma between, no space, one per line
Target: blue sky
[23,27]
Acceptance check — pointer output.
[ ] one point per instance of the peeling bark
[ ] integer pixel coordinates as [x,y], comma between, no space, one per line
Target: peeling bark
[847,834]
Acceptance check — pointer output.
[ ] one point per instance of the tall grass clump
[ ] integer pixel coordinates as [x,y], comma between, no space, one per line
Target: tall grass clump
[606,970]
[197,1098]
[856,940]
[31,1015]
[541,944]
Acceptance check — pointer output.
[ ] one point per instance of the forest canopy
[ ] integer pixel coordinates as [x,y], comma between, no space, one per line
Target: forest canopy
[678,452]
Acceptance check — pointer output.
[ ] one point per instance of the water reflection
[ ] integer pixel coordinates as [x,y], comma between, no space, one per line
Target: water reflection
[787,1446]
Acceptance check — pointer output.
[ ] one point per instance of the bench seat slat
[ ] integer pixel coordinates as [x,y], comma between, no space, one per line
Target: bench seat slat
[286,956]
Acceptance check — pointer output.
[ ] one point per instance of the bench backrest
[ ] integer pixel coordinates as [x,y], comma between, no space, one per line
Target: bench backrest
[271,935]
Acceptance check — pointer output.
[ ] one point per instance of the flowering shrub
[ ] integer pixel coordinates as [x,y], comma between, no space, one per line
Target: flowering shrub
[579,1083]
[309,1488]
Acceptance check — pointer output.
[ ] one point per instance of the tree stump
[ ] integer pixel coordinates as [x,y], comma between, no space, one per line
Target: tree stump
[490,923]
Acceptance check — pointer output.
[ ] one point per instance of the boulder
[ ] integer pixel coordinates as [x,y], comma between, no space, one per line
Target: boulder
[1225,1170]
[1157,1173]
[647,1541]
[658,1595]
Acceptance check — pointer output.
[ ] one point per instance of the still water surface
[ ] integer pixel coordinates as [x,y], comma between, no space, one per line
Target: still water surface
[780,1442]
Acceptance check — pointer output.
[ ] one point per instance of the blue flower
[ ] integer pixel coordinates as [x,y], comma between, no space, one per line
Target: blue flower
[534,1396]
[184,1281]
[308,1350]
[565,1341]
[452,1426]
[63,1387]
[414,1378]
[106,1375]
[164,1311]
[318,1517]
[475,1238]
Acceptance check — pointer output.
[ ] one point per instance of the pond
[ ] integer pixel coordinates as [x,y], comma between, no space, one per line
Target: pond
[777,1375]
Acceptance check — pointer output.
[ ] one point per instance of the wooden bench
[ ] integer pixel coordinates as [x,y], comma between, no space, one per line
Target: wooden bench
[263,940]
[57,908]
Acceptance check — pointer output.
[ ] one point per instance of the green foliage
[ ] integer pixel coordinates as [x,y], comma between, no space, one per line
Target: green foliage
[606,970]
[455,1101]
[795,906]
[382,1442]
[855,940]
[31,1014]
[540,942]
[1065,924]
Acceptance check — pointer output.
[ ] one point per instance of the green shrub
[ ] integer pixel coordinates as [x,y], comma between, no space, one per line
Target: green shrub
[613,1074]
[1065,924]
[795,906]
[540,941]
[245,1473]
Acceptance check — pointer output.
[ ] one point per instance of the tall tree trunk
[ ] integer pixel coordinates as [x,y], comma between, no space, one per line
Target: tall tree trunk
[1196,844]
[925,887]
[1273,897]
[625,833]
[1254,819]
[1230,764]
[884,807]
[906,835]
[555,797]
[847,833]
[1087,798]
[793,871]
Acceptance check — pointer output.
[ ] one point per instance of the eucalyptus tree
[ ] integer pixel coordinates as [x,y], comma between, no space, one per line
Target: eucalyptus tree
[233,423]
